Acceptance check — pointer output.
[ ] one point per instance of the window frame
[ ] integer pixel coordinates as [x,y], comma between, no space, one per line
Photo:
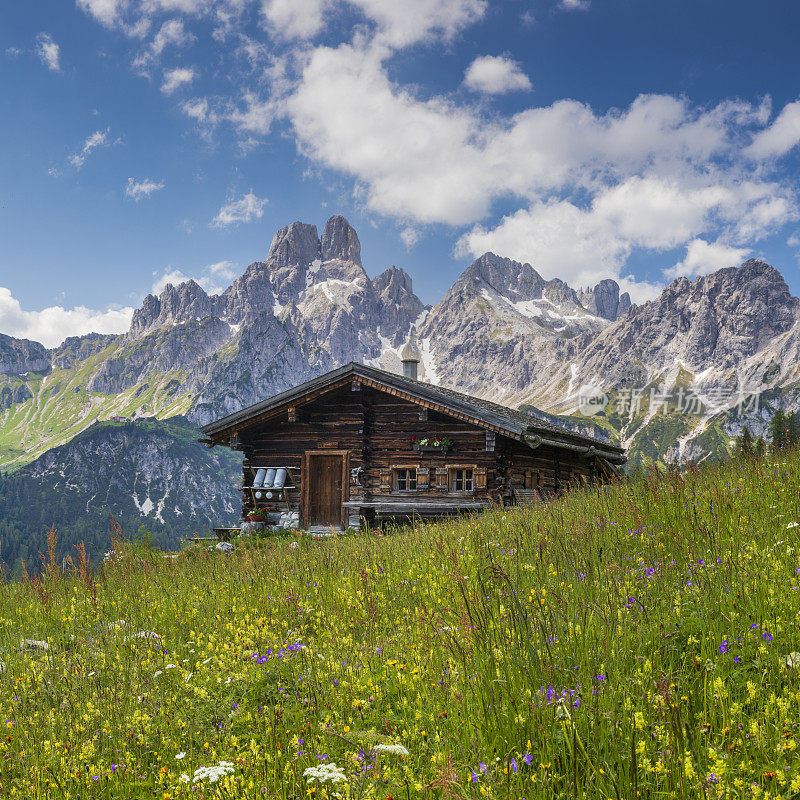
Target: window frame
[453,478]
[406,475]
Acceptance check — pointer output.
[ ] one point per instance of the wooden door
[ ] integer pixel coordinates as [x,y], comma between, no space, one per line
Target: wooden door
[324,488]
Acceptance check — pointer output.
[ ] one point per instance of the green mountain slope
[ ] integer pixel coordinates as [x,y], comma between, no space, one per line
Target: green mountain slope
[60,403]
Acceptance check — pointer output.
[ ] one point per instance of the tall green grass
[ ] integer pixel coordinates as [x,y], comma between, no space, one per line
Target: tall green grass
[639,640]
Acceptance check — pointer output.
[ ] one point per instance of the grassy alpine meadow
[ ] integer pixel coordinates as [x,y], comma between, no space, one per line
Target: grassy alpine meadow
[640,640]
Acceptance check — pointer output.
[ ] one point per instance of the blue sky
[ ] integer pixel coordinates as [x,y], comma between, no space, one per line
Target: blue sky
[152,140]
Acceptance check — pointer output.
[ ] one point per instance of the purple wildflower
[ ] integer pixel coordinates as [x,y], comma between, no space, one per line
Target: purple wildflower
[723,648]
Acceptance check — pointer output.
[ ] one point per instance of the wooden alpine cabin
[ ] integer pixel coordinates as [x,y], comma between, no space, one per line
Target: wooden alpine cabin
[360,445]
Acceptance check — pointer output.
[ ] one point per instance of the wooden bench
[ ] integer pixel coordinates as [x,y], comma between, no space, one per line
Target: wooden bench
[226,534]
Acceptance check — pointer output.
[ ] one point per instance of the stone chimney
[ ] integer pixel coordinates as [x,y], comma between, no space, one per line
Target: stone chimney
[410,356]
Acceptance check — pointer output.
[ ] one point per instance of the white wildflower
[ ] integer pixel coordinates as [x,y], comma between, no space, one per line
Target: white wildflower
[184,778]
[33,644]
[170,666]
[793,660]
[792,525]
[180,756]
[393,749]
[325,772]
[213,774]
[157,673]
[188,677]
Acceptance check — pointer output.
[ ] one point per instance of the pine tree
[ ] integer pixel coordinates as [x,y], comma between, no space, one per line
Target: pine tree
[778,431]
[761,447]
[744,444]
[793,429]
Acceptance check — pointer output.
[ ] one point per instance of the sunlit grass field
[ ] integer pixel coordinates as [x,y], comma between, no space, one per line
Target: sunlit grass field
[640,640]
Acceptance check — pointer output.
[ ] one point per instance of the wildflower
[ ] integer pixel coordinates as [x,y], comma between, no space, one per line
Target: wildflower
[213,773]
[324,773]
[514,765]
[180,756]
[394,749]
[766,636]
[723,648]
[793,660]
[527,759]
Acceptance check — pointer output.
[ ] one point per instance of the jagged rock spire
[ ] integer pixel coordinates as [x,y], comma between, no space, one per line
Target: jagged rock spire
[339,240]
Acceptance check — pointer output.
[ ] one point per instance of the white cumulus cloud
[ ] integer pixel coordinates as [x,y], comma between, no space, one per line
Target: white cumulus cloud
[223,269]
[574,5]
[780,137]
[495,75]
[97,139]
[136,189]
[703,257]
[246,209]
[295,19]
[52,325]
[108,12]
[655,175]
[397,24]
[175,78]
[48,51]
[410,236]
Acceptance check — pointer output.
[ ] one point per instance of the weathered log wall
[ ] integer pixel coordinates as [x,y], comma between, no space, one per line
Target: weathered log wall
[377,430]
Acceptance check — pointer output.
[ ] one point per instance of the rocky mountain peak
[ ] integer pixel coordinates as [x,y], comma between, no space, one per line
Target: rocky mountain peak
[177,304]
[399,306]
[605,300]
[293,245]
[509,278]
[340,241]
[78,348]
[393,281]
[711,325]
[561,294]
[18,356]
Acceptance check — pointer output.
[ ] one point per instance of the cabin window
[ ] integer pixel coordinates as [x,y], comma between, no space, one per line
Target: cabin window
[405,480]
[461,480]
